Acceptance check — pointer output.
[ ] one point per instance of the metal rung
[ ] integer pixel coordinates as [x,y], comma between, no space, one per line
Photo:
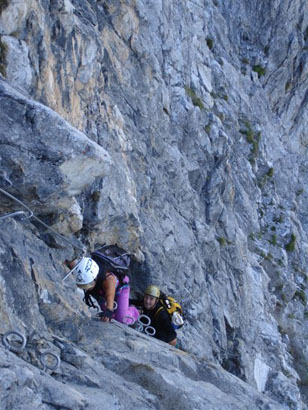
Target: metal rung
[12,214]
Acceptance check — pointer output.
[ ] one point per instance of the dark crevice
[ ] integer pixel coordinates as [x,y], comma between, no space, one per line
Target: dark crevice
[232,361]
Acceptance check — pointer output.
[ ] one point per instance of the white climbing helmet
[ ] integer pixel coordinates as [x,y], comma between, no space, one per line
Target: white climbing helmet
[87,270]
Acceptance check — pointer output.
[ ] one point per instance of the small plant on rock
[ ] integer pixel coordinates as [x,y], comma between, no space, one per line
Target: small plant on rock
[259,69]
[269,256]
[195,100]
[299,192]
[281,330]
[301,295]
[207,128]
[290,246]
[252,138]
[222,241]
[210,43]
[288,86]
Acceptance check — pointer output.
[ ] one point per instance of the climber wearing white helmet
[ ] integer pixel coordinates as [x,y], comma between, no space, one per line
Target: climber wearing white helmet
[107,283]
[91,279]
[87,271]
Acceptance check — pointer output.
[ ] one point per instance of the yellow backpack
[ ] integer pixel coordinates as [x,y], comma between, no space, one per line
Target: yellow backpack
[173,308]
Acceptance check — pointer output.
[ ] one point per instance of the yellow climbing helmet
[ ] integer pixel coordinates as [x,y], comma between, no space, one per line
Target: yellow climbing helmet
[152,290]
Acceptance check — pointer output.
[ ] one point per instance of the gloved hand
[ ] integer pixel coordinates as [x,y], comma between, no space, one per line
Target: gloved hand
[106,315]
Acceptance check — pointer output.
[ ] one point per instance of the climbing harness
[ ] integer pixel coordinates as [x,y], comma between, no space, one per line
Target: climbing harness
[48,359]
[31,215]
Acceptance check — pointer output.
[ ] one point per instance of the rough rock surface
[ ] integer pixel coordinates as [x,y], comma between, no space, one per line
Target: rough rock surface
[176,129]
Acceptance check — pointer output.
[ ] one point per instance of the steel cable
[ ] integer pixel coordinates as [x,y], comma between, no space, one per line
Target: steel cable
[39,220]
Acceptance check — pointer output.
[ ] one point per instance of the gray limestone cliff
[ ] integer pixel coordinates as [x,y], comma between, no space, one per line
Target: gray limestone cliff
[176,129]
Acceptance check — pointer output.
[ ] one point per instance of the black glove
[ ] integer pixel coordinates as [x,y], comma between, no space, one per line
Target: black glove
[106,314]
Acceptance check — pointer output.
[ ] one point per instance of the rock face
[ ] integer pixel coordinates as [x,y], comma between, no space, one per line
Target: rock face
[176,129]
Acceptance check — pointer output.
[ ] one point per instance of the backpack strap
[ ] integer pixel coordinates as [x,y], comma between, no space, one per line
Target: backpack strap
[89,300]
[159,310]
[90,294]
[166,305]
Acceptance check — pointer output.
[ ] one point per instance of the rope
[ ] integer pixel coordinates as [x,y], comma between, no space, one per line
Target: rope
[38,219]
